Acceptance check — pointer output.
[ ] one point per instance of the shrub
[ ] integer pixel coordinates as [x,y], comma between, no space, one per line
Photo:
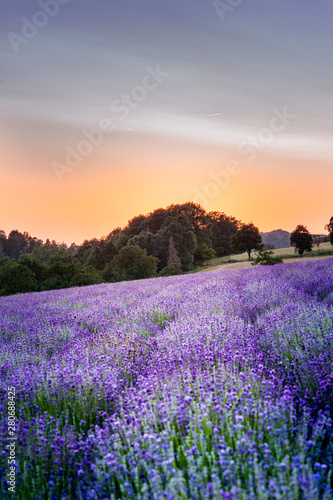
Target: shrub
[267,258]
[171,270]
[203,253]
[86,276]
[16,278]
[132,262]
[59,275]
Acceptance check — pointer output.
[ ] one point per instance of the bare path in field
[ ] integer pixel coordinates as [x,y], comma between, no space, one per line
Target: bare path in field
[244,264]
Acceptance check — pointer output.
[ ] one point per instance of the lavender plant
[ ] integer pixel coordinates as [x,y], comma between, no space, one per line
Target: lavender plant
[206,386]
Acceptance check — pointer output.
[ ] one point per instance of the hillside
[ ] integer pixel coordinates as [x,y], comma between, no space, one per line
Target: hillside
[278,237]
[236,261]
[122,389]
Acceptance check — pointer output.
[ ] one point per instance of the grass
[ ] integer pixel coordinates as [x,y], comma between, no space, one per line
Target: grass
[326,249]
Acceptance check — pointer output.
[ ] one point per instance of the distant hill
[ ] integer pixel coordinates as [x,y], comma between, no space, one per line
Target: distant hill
[278,237]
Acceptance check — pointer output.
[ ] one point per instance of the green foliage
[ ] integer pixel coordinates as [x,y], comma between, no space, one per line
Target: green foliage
[17,243]
[203,253]
[132,262]
[16,278]
[183,234]
[199,221]
[148,241]
[173,234]
[246,239]
[101,254]
[59,275]
[3,241]
[134,227]
[267,258]
[109,275]
[3,259]
[47,255]
[86,276]
[83,252]
[37,266]
[171,269]
[223,228]
[179,227]
[318,240]
[301,239]
[187,224]
[329,228]
[269,246]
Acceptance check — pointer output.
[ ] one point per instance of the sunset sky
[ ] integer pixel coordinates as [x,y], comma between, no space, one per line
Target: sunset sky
[171,94]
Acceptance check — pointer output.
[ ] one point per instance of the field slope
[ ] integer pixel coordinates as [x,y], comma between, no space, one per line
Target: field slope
[240,261]
[206,386]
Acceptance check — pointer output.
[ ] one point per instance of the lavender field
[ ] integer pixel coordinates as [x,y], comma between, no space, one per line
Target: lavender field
[207,386]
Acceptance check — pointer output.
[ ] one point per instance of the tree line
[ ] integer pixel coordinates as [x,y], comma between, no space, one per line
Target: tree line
[167,241]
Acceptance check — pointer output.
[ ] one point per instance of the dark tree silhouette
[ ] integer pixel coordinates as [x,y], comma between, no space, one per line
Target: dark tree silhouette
[246,239]
[301,240]
[223,228]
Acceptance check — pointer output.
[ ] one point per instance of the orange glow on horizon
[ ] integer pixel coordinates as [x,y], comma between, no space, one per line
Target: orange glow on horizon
[274,193]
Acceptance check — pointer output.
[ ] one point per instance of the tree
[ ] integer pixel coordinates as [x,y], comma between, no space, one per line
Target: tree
[173,257]
[329,228]
[203,253]
[3,242]
[301,240]
[60,275]
[133,228]
[84,250]
[49,254]
[223,228]
[171,270]
[246,239]
[87,276]
[148,241]
[200,223]
[269,246]
[132,262]
[179,226]
[101,254]
[318,240]
[4,259]
[16,278]
[156,220]
[16,244]
[267,258]
[36,266]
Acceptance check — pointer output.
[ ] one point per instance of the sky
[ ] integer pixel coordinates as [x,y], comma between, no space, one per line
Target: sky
[114,108]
